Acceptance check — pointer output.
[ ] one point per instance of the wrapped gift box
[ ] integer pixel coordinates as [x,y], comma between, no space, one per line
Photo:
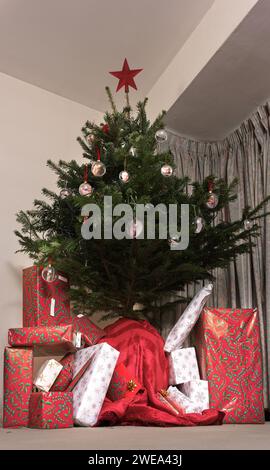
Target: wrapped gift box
[45,304]
[89,393]
[47,374]
[229,354]
[188,405]
[66,374]
[50,410]
[186,322]
[183,366]
[46,340]
[18,377]
[89,331]
[122,384]
[197,391]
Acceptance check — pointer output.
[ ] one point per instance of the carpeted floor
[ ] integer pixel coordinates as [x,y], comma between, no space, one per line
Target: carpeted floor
[208,437]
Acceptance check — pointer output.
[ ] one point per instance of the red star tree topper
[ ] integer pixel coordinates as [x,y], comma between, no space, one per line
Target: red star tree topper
[126,77]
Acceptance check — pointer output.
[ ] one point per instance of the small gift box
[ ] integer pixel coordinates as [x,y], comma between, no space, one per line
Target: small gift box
[188,405]
[230,358]
[186,322]
[18,377]
[46,340]
[122,384]
[47,374]
[50,410]
[183,366]
[89,331]
[197,391]
[66,374]
[45,304]
[89,393]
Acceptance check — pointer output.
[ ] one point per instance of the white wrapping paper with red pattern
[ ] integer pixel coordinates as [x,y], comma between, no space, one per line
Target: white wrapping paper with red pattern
[183,366]
[186,322]
[197,391]
[89,393]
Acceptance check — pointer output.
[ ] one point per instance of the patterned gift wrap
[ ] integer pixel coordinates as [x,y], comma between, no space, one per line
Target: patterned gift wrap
[183,401]
[89,331]
[183,366]
[18,376]
[46,340]
[47,374]
[51,410]
[65,377]
[186,322]
[122,384]
[229,353]
[45,304]
[197,391]
[89,393]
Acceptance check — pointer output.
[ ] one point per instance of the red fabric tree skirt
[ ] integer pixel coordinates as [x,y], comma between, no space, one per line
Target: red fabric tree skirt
[141,351]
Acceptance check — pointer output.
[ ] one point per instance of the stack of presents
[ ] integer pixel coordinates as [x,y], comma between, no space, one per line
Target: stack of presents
[77,371]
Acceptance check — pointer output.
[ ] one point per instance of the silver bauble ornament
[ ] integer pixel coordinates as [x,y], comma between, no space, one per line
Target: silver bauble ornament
[49,274]
[166,170]
[174,242]
[98,169]
[124,176]
[65,192]
[248,224]
[133,152]
[134,228]
[199,224]
[85,189]
[161,136]
[212,200]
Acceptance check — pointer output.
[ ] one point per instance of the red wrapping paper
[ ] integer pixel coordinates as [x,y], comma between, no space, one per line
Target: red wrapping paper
[38,307]
[91,333]
[65,377]
[18,377]
[46,340]
[229,351]
[51,410]
[123,384]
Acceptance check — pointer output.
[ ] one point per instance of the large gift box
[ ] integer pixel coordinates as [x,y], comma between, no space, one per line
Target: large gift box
[229,353]
[45,304]
[50,410]
[90,332]
[18,376]
[89,393]
[183,366]
[46,340]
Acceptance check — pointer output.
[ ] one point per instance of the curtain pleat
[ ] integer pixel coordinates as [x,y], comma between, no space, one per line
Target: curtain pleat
[244,154]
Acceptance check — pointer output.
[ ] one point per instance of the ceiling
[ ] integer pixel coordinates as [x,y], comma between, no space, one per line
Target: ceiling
[68,47]
[232,84]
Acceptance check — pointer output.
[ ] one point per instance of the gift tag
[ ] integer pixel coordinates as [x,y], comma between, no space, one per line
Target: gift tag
[52,308]
[77,340]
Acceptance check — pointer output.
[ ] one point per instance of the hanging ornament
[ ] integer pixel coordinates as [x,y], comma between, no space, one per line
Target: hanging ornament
[98,168]
[173,242]
[134,228]
[90,138]
[248,224]
[166,170]
[161,136]
[212,200]
[133,152]
[85,189]
[65,192]
[49,274]
[105,128]
[124,176]
[199,224]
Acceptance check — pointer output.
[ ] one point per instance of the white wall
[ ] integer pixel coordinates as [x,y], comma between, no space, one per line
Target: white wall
[34,125]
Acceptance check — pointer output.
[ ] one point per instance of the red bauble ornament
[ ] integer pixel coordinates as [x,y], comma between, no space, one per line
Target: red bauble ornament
[105,128]
[126,77]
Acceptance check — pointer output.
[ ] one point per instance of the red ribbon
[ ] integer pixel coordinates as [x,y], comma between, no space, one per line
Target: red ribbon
[98,154]
[210,186]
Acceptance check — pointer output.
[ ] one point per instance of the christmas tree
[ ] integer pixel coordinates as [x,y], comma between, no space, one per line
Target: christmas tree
[127,160]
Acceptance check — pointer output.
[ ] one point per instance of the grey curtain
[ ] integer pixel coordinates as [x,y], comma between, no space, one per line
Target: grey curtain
[244,154]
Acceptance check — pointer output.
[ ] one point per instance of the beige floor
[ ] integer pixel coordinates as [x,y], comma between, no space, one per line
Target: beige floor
[208,437]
